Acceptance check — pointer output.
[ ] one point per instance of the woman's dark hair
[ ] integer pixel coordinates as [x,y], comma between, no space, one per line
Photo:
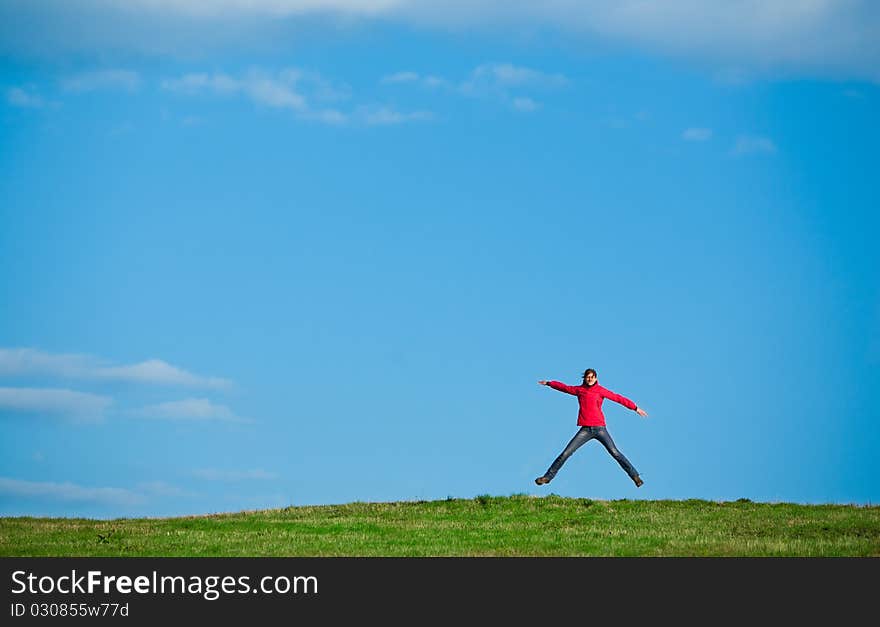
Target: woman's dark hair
[588,371]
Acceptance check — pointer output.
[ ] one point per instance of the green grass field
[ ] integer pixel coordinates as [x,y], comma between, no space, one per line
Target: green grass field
[518,525]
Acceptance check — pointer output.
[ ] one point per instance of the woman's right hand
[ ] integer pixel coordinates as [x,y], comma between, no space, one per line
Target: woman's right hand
[543,382]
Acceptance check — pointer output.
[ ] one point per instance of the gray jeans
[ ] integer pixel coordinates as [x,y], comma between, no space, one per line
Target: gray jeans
[584,435]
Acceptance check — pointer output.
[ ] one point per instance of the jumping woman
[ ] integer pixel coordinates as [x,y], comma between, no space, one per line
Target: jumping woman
[592,423]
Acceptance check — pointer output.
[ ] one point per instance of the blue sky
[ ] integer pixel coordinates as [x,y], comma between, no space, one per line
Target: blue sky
[288,252]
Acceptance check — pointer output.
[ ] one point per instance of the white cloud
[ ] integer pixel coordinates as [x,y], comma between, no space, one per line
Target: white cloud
[158,371]
[322,90]
[292,89]
[510,75]
[68,492]
[196,83]
[384,116]
[103,79]
[277,91]
[697,134]
[501,77]
[327,116]
[401,77]
[21,97]
[284,89]
[269,8]
[429,81]
[435,82]
[193,409]
[525,104]
[80,405]
[212,474]
[29,361]
[495,80]
[14,361]
[750,144]
[273,93]
[837,37]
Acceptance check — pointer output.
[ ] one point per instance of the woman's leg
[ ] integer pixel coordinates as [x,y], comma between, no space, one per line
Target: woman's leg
[605,438]
[580,438]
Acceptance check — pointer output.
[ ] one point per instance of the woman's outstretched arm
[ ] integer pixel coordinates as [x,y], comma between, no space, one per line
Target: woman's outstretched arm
[557,385]
[619,398]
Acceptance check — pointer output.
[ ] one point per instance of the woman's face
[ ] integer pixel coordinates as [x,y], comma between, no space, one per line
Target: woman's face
[590,378]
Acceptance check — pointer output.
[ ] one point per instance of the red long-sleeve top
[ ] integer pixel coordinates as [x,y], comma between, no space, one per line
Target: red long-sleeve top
[590,400]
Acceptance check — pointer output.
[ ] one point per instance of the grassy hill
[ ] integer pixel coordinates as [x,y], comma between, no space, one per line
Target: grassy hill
[518,525]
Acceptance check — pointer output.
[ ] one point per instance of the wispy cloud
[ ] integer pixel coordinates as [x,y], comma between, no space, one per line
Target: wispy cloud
[751,144]
[278,91]
[384,116]
[102,79]
[291,89]
[15,361]
[270,8]
[24,98]
[485,78]
[28,361]
[295,90]
[68,492]
[435,82]
[212,474]
[158,371]
[401,77]
[79,405]
[829,36]
[330,116]
[497,80]
[525,104]
[428,81]
[507,76]
[697,134]
[189,409]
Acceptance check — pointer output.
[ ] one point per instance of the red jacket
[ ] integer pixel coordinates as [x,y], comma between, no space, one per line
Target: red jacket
[590,401]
